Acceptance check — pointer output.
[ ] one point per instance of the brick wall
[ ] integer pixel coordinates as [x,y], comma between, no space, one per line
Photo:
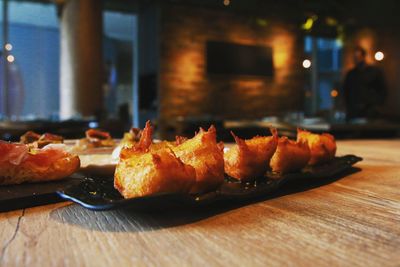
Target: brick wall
[187,90]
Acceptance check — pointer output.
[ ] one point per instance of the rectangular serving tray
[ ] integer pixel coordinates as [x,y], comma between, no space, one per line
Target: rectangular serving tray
[28,195]
[99,194]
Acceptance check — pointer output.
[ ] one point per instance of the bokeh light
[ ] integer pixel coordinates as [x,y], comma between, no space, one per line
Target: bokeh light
[306,63]
[8,47]
[10,58]
[379,56]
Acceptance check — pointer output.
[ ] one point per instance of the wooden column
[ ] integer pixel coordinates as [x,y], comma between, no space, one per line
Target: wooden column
[81,71]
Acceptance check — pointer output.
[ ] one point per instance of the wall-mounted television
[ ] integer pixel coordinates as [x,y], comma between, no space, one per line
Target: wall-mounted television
[236,59]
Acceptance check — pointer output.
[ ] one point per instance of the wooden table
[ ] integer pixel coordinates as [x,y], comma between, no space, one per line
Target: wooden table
[353,221]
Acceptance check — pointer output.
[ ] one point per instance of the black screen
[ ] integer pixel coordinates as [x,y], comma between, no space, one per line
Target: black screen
[235,59]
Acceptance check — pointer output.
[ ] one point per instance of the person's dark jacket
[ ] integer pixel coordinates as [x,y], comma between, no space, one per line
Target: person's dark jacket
[364,91]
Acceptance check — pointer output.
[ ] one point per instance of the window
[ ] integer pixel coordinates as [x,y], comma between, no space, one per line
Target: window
[34,62]
[34,66]
[325,75]
[119,33]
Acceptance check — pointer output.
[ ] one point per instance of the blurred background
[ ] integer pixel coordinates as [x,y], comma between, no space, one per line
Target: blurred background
[242,65]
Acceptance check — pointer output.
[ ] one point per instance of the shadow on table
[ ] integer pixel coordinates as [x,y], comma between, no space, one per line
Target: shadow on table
[128,220]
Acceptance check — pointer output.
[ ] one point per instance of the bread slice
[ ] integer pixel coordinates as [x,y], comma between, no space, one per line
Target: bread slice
[19,163]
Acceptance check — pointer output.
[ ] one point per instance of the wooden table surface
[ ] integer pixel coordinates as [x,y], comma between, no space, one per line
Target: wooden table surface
[352,221]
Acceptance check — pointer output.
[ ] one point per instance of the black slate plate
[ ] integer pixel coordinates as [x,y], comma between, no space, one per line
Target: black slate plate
[28,195]
[99,193]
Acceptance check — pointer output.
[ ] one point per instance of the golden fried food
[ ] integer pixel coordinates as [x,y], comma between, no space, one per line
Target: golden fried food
[290,156]
[131,137]
[39,141]
[94,139]
[322,146]
[249,159]
[21,163]
[206,156]
[144,170]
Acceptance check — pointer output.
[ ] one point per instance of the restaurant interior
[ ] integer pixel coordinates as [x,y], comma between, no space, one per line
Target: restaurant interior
[242,66]
[303,94]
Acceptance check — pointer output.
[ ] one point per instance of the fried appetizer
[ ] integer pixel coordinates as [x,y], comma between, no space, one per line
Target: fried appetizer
[20,163]
[143,170]
[322,146]
[206,156]
[290,156]
[39,141]
[130,138]
[249,159]
[94,139]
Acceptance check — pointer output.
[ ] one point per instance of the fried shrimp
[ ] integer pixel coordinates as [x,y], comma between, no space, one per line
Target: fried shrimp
[322,146]
[205,155]
[290,156]
[249,159]
[144,170]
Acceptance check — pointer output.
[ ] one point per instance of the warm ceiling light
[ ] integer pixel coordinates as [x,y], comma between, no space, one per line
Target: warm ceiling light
[379,56]
[334,93]
[8,47]
[227,2]
[262,22]
[10,58]
[331,21]
[309,23]
[306,63]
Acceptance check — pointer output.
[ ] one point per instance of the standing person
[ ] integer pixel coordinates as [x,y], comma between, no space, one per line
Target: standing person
[364,88]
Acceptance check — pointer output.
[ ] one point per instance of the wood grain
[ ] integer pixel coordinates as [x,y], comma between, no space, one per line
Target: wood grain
[353,221]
